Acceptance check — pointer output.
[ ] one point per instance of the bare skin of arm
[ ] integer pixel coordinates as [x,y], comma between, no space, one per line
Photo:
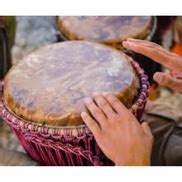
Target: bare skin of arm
[116,130]
[160,55]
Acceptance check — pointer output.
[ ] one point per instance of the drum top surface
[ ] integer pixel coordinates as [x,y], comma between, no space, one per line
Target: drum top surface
[104,28]
[49,85]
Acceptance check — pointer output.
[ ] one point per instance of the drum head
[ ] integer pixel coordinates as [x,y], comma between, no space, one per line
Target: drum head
[49,85]
[110,30]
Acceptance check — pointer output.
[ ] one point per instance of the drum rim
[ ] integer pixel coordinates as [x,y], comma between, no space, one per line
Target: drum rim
[16,121]
[148,36]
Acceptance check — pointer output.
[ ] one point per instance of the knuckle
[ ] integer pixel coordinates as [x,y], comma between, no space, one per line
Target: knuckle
[128,117]
[92,123]
[96,112]
[102,102]
[88,119]
[114,119]
[171,83]
[111,115]
[166,80]
[114,101]
[90,104]
[107,108]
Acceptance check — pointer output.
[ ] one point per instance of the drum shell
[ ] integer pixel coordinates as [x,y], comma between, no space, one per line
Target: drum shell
[66,146]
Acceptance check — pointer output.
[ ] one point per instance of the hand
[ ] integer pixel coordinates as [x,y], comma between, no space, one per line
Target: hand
[117,132]
[162,56]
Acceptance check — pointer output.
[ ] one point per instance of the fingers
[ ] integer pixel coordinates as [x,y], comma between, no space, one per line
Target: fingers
[176,74]
[147,130]
[145,42]
[92,125]
[155,52]
[168,81]
[121,109]
[103,105]
[115,103]
[96,112]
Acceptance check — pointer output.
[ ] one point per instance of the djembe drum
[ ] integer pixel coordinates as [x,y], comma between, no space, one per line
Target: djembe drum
[42,98]
[112,31]
[109,30]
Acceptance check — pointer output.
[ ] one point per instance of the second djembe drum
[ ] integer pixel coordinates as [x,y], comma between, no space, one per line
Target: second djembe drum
[109,30]
[42,98]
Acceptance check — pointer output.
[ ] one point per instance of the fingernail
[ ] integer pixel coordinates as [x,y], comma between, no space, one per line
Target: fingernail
[127,44]
[158,77]
[87,100]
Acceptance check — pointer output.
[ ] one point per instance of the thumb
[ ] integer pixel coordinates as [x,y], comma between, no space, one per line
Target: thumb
[168,81]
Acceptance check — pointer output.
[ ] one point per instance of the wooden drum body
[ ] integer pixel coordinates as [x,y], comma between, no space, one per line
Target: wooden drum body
[41,98]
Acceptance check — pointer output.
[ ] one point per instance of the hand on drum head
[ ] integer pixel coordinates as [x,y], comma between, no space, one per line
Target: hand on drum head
[160,55]
[117,132]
